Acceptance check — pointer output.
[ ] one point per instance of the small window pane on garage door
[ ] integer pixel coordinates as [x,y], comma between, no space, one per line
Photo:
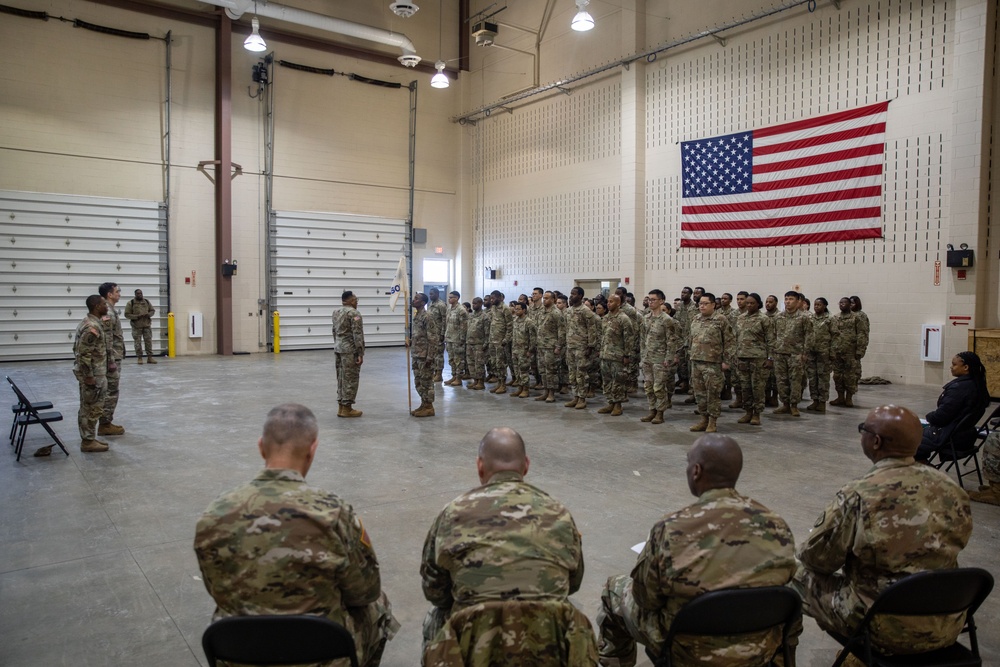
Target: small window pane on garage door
[56,249]
[316,257]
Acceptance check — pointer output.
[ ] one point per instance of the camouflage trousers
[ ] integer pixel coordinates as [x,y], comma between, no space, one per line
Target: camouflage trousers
[578,363]
[753,379]
[475,359]
[522,367]
[348,378]
[615,380]
[789,370]
[707,380]
[456,358]
[818,373]
[371,626]
[846,373]
[439,358]
[548,362]
[659,384]
[111,396]
[632,368]
[92,398]
[618,624]
[831,600]
[499,355]
[563,369]
[683,365]
[594,374]
[423,378]
[991,458]
[142,335]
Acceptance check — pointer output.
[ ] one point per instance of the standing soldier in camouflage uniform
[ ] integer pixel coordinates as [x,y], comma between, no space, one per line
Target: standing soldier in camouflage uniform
[438,312]
[139,313]
[423,341]
[503,541]
[732,388]
[865,328]
[900,518]
[500,333]
[617,344]
[551,341]
[280,546]
[635,355]
[349,347]
[116,352]
[723,540]
[90,366]
[455,333]
[663,342]
[686,312]
[849,347]
[790,330]
[524,339]
[535,309]
[561,303]
[771,391]
[582,328]
[712,344]
[754,342]
[819,350]
[476,343]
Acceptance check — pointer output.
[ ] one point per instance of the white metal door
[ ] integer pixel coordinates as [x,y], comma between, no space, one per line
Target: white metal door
[315,257]
[54,252]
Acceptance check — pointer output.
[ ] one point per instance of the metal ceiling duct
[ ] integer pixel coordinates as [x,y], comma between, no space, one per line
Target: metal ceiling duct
[236,8]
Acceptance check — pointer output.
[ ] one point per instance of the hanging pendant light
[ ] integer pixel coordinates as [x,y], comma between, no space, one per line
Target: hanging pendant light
[440,80]
[255,42]
[583,21]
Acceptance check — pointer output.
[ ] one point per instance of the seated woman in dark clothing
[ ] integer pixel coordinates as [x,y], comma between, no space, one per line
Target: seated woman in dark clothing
[964,396]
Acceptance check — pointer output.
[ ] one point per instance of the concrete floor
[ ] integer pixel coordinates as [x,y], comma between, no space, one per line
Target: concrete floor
[96,564]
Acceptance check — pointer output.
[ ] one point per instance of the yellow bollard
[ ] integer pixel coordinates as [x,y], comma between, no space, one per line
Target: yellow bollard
[171,337]
[277,332]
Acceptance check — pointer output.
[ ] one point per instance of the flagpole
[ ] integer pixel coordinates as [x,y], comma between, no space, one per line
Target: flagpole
[409,381]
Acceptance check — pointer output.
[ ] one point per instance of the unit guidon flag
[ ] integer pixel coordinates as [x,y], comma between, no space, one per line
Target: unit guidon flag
[809,181]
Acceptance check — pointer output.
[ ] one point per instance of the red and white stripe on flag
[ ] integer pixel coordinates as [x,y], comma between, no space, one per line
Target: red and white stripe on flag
[810,181]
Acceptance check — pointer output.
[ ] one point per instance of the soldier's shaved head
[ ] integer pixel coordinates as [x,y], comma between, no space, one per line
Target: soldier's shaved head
[890,431]
[714,462]
[501,449]
[290,437]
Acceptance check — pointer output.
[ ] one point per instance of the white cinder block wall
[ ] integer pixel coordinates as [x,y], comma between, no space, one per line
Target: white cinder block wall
[551,180]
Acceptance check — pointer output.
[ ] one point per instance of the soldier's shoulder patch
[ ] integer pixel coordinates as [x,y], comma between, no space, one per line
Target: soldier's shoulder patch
[820,520]
[93,331]
[357,317]
[365,540]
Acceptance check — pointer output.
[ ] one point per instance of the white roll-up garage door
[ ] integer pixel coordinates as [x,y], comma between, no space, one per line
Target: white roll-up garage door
[56,249]
[315,257]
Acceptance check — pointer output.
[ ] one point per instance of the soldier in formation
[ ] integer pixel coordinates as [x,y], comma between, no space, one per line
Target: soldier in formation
[349,348]
[524,340]
[662,343]
[790,330]
[617,345]
[849,346]
[425,337]
[476,344]
[819,350]
[92,361]
[711,345]
[438,312]
[116,352]
[754,345]
[456,330]
[139,313]
[581,342]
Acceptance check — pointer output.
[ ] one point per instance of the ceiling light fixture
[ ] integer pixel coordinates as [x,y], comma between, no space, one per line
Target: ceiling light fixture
[255,42]
[439,80]
[583,21]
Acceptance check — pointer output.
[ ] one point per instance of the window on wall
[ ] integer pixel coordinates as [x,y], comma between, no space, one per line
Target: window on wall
[436,271]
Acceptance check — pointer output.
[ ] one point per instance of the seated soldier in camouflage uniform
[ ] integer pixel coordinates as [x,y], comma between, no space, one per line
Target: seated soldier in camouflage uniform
[723,540]
[280,546]
[503,542]
[902,517]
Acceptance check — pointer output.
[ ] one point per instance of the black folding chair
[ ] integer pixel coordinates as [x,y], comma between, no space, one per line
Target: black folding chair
[948,457]
[734,611]
[932,593]
[277,640]
[29,414]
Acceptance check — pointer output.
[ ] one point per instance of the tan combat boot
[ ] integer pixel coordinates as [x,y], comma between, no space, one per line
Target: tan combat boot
[349,411]
[848,403]
[478,385]
[738,403]
[572,403]
[108,428]
[648,418]
[658,419]
[711,425]
[755,419]
[811,407]
[151,359]
[783,410]
[700,426]
[745,419]
[90,446]
[525,392]
[543,395]
[426,410]
[839,400]
[581,404]
[501,388]
[437,377]
[989,495]
[607,409]
[821,407]
[793,410]
[590,393]
[138,360]
[617,410]
[340,409]
[423,404]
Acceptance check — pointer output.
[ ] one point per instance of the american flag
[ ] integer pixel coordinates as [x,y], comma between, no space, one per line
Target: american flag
[809,181]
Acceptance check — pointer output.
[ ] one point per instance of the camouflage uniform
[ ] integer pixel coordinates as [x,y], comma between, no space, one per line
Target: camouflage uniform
[594,367]
[551,335]
[991,458]
[635,355]
[712,343]
[819,348]
[582,327]
[349,345]
[424,342]
[619,341]
[790,331]
[487,326]
[850,343]
[864,331]
[772,381]
[455,333]
[139,315]
[534,313]
[524,339]
[723,540]
[116,352]
[733,374]
[901,518]
[500,333]
[505,540]
[663,340]
[754,342]
[476,340]
[280,546]
[685,314]
[91,354]
[438,311]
